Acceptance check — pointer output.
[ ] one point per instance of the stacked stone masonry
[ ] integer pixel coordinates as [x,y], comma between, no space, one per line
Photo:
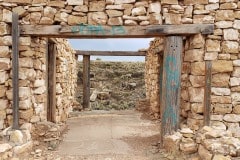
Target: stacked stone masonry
[222,48]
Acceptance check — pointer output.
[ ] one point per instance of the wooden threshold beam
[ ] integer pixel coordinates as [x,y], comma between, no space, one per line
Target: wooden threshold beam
[110,53]
[101,31]
[15,69]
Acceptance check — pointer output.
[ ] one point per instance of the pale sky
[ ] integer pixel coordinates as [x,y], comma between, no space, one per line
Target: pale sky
[133,44]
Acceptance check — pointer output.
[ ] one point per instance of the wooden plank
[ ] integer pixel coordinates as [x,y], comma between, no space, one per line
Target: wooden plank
[86,81]
[184,29]
[110,53]
[102,31]
[51,109]
[15,69]
[171,85]
[161,80]
[207,92]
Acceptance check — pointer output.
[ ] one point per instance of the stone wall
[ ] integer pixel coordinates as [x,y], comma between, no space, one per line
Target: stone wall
[153,61]
[222,48]
[66,79]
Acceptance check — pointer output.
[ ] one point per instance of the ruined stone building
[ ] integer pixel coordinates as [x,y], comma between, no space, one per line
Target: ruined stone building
[37,52]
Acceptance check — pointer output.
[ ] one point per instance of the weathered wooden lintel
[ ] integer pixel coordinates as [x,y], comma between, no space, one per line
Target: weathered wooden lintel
[15,69]
[110,53]
[101,31]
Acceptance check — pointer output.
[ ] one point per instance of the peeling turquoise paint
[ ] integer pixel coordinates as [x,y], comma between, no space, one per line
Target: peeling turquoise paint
[98,30]
[172,86]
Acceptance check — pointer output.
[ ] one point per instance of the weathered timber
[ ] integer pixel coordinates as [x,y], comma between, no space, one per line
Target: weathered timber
[86,81]
[51,108]
[15,69]
[185,29]
[171,82]
[101,31]
[161,79]
[110,53]
[207,92]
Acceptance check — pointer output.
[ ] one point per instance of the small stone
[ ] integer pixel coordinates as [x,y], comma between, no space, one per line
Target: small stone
[124,1]
[16,137]
[211,7]
[221,99]
[155,18]
[228,6]
[236,24]
[196,94]
[169,1]
[224,24]
[235,97]
[97,6]
[220,157]
[234,81]
[139,11]
[197,81]
[114,13]
[234,118]
[5,147]
[222,108]
[75,2]
[115,21]
[213,45]
[198,68]
[154,7]
[220,91]
[221,66]
[194,55]
[224,15]
[74,20]
[204,153]
[97,18]
[171,18]
[230,34]
[171,142]
[210,56]
[220,80]
[188,147]
[230,47]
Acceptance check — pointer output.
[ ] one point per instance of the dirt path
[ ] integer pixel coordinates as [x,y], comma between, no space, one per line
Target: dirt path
[109,135]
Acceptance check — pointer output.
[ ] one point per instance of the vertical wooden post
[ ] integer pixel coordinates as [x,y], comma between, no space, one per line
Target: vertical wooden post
[171,85]
[207,92]
[160,80]
[51,109]
[15,69]
[86,81]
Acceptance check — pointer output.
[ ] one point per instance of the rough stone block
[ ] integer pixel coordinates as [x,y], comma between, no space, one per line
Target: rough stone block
[196,94]
[213,45]
[230,34]
[230,47]
[220,80]
[221,91]
[197,81]
[75,2]
[225,15]
[221,66]
[222,108]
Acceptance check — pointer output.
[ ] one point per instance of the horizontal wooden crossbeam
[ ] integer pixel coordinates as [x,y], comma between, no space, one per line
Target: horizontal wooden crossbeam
[110,53]
[101,31]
